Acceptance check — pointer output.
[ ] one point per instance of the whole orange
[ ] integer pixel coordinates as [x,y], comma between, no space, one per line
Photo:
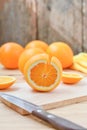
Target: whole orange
[9,54]
[38,44]
[63,52]
[26,55]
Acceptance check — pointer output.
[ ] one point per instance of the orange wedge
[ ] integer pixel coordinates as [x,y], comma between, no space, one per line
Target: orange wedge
[6,81]
[71,78]
[42,72]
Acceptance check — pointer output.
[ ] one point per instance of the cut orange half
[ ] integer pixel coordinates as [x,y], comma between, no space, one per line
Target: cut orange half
[42,72]
[71,78]
[6,81]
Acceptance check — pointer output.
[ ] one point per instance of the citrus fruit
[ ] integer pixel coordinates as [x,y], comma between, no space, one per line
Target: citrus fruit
[62,51]
[80,62]
[9,54]
[37,43]
[26,54]
[71,78]
[42,72]
[83,54]
[6,81]
[81,59]
[78,67]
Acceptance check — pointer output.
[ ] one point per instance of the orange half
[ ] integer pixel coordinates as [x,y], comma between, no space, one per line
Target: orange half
[71,78]
[42,72]
[6,81]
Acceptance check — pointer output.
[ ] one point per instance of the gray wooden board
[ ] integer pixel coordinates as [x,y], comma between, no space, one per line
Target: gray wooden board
[48,20]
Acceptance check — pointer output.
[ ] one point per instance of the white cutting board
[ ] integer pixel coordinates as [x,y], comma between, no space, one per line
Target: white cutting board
[63,95]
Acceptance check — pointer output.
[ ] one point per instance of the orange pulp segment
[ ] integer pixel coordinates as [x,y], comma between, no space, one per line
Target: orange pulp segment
[42,72]
[71,78]
[6,81]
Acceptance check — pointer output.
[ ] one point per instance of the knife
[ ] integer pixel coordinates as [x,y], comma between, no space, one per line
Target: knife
[56,121]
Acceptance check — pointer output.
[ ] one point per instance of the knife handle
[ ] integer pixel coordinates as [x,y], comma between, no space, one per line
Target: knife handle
[57,122]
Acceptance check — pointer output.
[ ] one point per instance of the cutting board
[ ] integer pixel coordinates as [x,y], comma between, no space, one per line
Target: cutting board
[63,95]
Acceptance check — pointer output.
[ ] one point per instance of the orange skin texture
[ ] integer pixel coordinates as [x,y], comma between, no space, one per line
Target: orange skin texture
[63,52]
[9,54]
[38,44]
[39,75]
[26,55]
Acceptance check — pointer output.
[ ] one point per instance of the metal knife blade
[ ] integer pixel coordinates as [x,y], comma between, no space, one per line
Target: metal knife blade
[56,121]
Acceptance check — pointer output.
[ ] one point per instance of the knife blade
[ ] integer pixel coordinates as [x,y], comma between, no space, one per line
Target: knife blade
[56,121]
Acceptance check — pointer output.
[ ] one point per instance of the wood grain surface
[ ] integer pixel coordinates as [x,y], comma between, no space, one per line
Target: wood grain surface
[48,20]
[17,21]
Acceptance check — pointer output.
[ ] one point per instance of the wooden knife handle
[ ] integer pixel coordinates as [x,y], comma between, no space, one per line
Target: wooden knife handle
[57,122]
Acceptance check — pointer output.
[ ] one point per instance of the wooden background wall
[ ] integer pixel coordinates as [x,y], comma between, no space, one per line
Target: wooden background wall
[48,20]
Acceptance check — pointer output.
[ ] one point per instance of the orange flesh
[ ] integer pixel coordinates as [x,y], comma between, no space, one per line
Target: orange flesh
[6,80]
[43,74]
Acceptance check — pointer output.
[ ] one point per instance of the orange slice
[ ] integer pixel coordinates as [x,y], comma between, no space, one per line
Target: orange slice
[42,72]
[78,67]
[71,78]
[6,81]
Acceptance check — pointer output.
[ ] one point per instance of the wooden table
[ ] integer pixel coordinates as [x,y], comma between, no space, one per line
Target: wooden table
[11,120]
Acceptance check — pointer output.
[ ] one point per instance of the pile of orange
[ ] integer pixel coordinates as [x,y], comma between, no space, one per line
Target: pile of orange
[42,72]
[40,63]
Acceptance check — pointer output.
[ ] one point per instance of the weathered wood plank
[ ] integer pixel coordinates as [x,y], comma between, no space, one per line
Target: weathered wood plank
[66,23]
[60,20]
[17,21]
[47,20]
[85,25]
[43,19]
